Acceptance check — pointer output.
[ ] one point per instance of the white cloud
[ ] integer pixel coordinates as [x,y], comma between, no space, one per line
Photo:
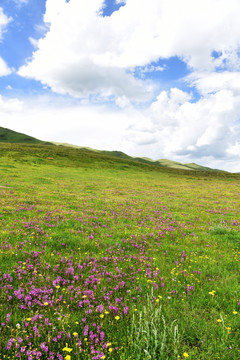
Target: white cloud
[9,106]
[33,42]
[123,101]
[151,68]
[180,129]
[4,69]
[141,71]
[65,61]
[4,21]
[234,149]
[85,53]
[45,118]
[214,81]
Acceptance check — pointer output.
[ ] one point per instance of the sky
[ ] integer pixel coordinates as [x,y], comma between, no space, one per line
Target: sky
[151,78]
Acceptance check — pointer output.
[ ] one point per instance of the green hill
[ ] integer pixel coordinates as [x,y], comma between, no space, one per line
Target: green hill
[10,136]
[69,157]
[144,160]
[198,167]
[173,164]
[190,166]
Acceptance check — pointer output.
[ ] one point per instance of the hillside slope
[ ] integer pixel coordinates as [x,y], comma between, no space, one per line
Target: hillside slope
[145,160]
[10,136]
[68,157]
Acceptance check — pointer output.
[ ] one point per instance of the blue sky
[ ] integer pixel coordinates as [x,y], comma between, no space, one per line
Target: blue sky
[25,21]
[157,78]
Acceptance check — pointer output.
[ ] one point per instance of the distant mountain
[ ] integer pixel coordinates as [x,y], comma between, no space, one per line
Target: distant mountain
[178,165]
[172,164]
[145,160]
[194,166]
[10,136]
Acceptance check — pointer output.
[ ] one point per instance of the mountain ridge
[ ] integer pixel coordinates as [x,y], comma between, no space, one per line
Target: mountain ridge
[11,136]
[160,162]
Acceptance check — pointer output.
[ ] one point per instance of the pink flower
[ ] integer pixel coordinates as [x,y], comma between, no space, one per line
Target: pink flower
[85,331]
[100,308]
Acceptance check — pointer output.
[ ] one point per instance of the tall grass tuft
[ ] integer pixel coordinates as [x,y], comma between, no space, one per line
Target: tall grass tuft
[151,336]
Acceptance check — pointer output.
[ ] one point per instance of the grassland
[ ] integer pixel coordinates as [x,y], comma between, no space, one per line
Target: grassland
[104,258]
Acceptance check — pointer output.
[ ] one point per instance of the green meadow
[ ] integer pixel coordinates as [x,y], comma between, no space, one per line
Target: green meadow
[107,258]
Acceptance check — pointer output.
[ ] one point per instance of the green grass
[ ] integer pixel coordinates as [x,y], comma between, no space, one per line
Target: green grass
[85,229]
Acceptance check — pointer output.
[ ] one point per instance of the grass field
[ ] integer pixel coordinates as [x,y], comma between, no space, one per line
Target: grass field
[103,258]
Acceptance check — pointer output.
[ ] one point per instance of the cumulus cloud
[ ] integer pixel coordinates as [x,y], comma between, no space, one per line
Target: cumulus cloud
[66,60]
[85,53]
[180,128]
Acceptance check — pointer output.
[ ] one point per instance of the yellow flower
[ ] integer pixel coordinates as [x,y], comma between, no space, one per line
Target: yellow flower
[110,349]
[185,354]
[103,357]
[234,312]
[67,349]
[67,357]
[101,316]
[57,287]
[212,292]
[46,303]
[219,320]
[29,319]
[75,334]
[117,317]
[109,344]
